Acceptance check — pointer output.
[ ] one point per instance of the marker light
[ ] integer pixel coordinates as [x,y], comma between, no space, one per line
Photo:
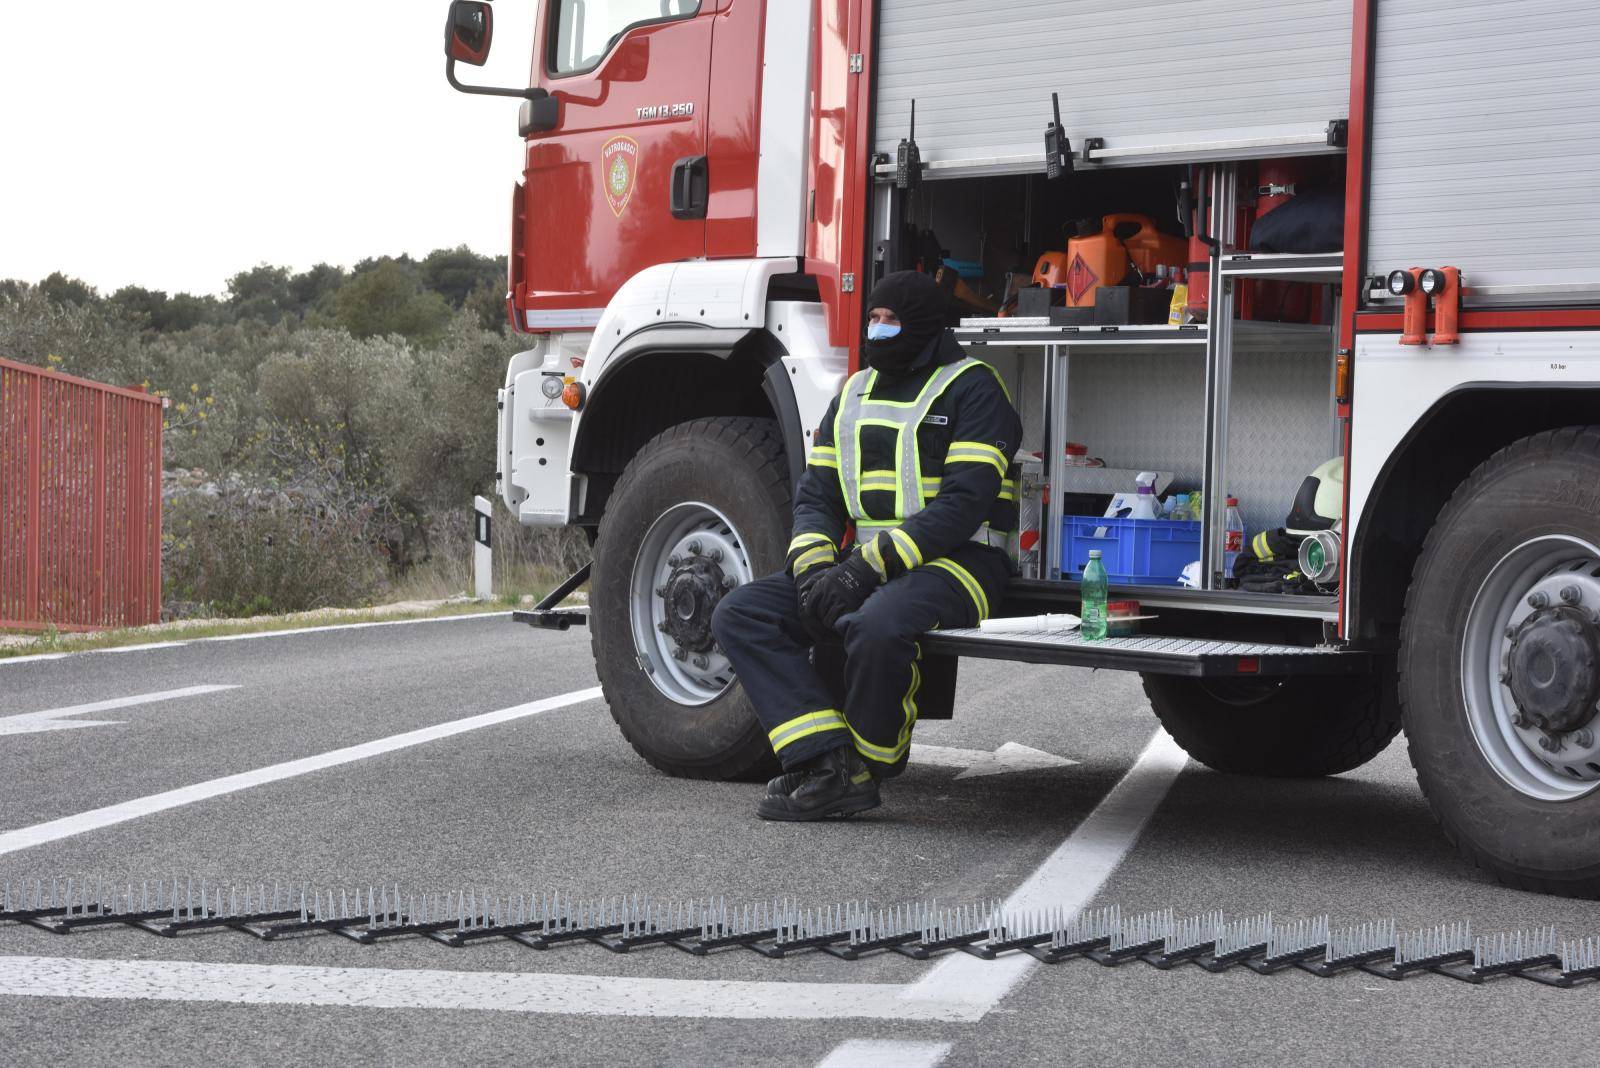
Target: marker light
[573,394]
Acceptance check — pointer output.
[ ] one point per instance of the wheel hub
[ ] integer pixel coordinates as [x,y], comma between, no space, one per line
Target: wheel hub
[692,592]
[687,562]
[1554,668]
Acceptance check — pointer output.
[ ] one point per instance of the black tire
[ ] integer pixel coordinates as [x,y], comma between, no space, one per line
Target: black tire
[1538,486]
[738,466]
[1300,727]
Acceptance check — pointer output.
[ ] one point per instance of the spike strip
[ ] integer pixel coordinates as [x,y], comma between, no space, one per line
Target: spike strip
[1363,943]
[574,922]
[1024,930]
[1426,949]
[884,929]
[1509,953]
[812,929]
[1580,963]
[1289,944]
[949,928]
[1087,932]
[515,914]
[1237,942]
[1188,940]
[646,923]
[1134,937]
[721,929]
[845,930]
[311,912]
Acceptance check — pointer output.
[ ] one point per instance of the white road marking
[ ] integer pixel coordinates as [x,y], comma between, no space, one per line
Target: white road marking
[1068,879]
[55,719]
[959,988]
[1012,756]
[39,833]
[530,992]
[35,657]
[885,1053]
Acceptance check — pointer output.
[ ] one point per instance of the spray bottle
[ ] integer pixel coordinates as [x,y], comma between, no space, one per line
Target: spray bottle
[1144,503]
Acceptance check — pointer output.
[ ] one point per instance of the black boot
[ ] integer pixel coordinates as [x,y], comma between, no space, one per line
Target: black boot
[785,783]
[837,783]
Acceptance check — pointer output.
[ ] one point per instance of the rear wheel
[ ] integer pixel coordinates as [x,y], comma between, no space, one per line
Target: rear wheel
[1298,727]
[704,507]
[1500,664]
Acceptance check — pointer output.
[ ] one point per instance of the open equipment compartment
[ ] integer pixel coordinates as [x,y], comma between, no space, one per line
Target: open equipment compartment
[1227,405]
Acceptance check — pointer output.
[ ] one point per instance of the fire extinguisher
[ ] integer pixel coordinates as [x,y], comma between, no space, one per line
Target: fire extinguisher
[1277,182]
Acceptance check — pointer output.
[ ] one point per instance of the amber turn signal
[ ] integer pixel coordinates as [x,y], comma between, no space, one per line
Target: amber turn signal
[573,394]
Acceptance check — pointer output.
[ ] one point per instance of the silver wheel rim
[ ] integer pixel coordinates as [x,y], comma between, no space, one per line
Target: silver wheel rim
[682,531]
[1516,752]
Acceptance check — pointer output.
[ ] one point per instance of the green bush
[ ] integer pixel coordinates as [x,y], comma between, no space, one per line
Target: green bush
[240,554]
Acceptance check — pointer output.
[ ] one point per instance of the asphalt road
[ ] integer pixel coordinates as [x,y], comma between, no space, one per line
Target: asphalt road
[553,798]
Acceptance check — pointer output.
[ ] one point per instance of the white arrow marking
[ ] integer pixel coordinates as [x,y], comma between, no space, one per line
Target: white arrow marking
[55,719]
[1009,757]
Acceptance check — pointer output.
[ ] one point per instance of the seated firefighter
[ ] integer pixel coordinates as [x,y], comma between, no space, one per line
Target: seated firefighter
[915,454]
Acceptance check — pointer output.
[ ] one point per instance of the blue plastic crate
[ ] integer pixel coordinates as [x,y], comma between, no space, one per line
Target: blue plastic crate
[1146,552]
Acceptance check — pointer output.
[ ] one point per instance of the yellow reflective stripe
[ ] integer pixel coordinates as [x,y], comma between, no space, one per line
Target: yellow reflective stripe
[882,754]
[963,576]
[1261,547]
[815,537]
[830,463]
[977,452]
[820,453]
[930,486]
[1008,489]
[874,556]
[791,731]
[822,554]
[874,525]
[879,480]
[906,546]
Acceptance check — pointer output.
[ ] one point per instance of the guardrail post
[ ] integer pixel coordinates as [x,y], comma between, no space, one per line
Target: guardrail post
[482,552]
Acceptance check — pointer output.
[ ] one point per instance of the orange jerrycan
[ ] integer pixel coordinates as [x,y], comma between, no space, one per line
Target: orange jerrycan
[1147,247]
[1095,258]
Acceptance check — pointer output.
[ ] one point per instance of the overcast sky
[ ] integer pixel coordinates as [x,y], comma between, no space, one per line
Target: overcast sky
[174,144]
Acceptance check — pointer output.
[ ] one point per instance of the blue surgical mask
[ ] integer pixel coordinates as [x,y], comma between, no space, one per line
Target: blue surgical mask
[882,331]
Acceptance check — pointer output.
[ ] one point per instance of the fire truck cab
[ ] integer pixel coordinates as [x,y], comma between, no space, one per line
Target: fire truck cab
[711,187]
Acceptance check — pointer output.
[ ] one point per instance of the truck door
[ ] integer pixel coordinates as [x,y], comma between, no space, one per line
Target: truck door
[631,77]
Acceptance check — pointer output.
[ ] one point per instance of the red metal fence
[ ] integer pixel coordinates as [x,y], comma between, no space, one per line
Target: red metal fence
[80,502]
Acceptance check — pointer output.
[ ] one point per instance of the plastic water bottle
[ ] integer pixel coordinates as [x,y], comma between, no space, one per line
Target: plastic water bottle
[1232,537]
[1093,591]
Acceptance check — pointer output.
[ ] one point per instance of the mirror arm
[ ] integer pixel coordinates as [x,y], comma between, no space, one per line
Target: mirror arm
[533,93]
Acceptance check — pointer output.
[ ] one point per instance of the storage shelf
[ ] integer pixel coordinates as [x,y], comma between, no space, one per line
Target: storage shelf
[1320,267]
[1033,333]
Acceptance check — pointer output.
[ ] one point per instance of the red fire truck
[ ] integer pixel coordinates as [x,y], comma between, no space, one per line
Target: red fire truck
[712,186]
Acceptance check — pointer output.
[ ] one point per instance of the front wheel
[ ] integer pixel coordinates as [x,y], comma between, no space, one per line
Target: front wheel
[1500,664]
[704,507]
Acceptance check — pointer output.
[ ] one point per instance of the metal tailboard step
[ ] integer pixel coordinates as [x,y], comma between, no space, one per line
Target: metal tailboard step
[1156,655]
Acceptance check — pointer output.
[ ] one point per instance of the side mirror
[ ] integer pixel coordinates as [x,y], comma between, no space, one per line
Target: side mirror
[469,31]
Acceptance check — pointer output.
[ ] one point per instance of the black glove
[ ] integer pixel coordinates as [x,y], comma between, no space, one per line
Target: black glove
[838,592]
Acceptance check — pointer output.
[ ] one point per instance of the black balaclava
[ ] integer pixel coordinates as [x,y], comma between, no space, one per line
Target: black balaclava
[917,302]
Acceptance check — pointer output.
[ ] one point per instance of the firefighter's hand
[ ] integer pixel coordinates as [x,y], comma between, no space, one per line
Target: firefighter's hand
[840,591]
[805,585]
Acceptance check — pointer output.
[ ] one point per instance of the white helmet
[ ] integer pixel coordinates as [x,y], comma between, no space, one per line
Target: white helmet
[1320,502]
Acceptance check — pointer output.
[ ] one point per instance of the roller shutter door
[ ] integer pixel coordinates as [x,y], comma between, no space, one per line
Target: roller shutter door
[1486,142]
[1246,78]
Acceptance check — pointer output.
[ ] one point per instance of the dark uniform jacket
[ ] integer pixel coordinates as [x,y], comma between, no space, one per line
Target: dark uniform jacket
[965,446]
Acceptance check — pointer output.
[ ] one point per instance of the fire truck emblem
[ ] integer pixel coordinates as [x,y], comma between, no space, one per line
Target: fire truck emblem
[619,163]
[1080,279]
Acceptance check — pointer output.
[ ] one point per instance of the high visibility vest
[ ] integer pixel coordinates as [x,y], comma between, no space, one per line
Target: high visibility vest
[912,491]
